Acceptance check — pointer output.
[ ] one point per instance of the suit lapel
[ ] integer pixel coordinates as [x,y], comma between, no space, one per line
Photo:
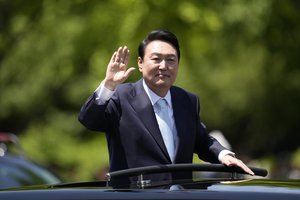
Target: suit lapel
[143,107]
[182,118]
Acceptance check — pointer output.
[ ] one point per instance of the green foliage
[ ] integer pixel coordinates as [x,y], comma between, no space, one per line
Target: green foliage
[241,57]
[56,143]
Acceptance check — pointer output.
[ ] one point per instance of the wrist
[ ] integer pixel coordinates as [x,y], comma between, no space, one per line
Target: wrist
[109,84]
[224,153]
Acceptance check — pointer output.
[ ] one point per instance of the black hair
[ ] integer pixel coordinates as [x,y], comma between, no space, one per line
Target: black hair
[159,34]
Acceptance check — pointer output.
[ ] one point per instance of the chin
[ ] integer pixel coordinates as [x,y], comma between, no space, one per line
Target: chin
[163,84]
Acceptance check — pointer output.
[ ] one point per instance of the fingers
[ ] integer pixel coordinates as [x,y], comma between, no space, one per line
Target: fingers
[117,71]
[244,167]
[128,72]
[231,161]
[119,60]
[121,56]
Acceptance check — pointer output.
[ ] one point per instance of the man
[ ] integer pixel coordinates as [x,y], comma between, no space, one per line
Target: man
[131,114]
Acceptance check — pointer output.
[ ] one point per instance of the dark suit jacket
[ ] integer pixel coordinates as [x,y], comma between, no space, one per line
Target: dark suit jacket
[132,131]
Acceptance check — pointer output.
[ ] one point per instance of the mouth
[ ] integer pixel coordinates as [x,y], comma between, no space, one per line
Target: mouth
[162,75]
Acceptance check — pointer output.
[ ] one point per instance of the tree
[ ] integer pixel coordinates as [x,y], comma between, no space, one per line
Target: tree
[240,57]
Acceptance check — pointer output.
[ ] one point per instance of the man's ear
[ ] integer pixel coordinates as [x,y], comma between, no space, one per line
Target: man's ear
[140,63]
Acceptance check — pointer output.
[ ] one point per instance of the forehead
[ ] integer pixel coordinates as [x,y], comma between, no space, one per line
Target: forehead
[159,47]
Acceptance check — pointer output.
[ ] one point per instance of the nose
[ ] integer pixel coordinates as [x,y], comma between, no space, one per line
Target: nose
[163,64]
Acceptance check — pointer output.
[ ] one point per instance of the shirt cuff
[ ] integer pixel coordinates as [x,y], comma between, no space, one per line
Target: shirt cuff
[102,94]
[224,153]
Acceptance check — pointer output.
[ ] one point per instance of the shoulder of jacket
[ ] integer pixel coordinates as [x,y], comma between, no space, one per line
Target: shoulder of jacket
[182,91]
[125,89]
[124,86]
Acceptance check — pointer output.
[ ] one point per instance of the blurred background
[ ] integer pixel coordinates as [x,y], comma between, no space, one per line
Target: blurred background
[242,57]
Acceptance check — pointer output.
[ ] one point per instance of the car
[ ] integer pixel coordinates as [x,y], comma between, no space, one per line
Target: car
[16,170]
[233,187]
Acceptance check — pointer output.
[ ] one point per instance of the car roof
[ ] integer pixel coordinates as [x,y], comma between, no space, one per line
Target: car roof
[200,189]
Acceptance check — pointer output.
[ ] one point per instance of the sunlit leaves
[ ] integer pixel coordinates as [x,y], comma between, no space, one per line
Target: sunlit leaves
[240,56]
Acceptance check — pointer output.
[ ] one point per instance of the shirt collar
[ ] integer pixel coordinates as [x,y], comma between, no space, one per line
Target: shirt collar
[154,97]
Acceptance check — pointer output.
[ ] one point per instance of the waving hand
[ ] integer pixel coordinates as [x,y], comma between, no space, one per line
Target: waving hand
[117,72]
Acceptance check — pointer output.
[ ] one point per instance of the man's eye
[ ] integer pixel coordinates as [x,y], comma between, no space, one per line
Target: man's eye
[171,59]
[155,59]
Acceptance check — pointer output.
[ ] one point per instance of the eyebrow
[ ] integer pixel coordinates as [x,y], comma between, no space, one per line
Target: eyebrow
[160,54]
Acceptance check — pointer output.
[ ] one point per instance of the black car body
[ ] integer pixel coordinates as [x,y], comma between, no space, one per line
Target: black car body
[208,188]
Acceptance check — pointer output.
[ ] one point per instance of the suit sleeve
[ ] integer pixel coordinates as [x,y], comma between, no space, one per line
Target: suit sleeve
[207,147]
[99,117]
[92,113]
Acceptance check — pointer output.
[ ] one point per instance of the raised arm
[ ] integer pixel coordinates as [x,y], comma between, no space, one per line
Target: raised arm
[93,111]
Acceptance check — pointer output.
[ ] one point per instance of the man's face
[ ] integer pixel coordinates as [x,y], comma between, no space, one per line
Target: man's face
[159,66]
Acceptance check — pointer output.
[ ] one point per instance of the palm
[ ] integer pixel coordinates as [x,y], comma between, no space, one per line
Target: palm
[117,75]
[117,71]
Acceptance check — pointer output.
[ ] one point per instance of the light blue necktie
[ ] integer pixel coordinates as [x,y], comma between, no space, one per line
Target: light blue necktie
[164,123]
